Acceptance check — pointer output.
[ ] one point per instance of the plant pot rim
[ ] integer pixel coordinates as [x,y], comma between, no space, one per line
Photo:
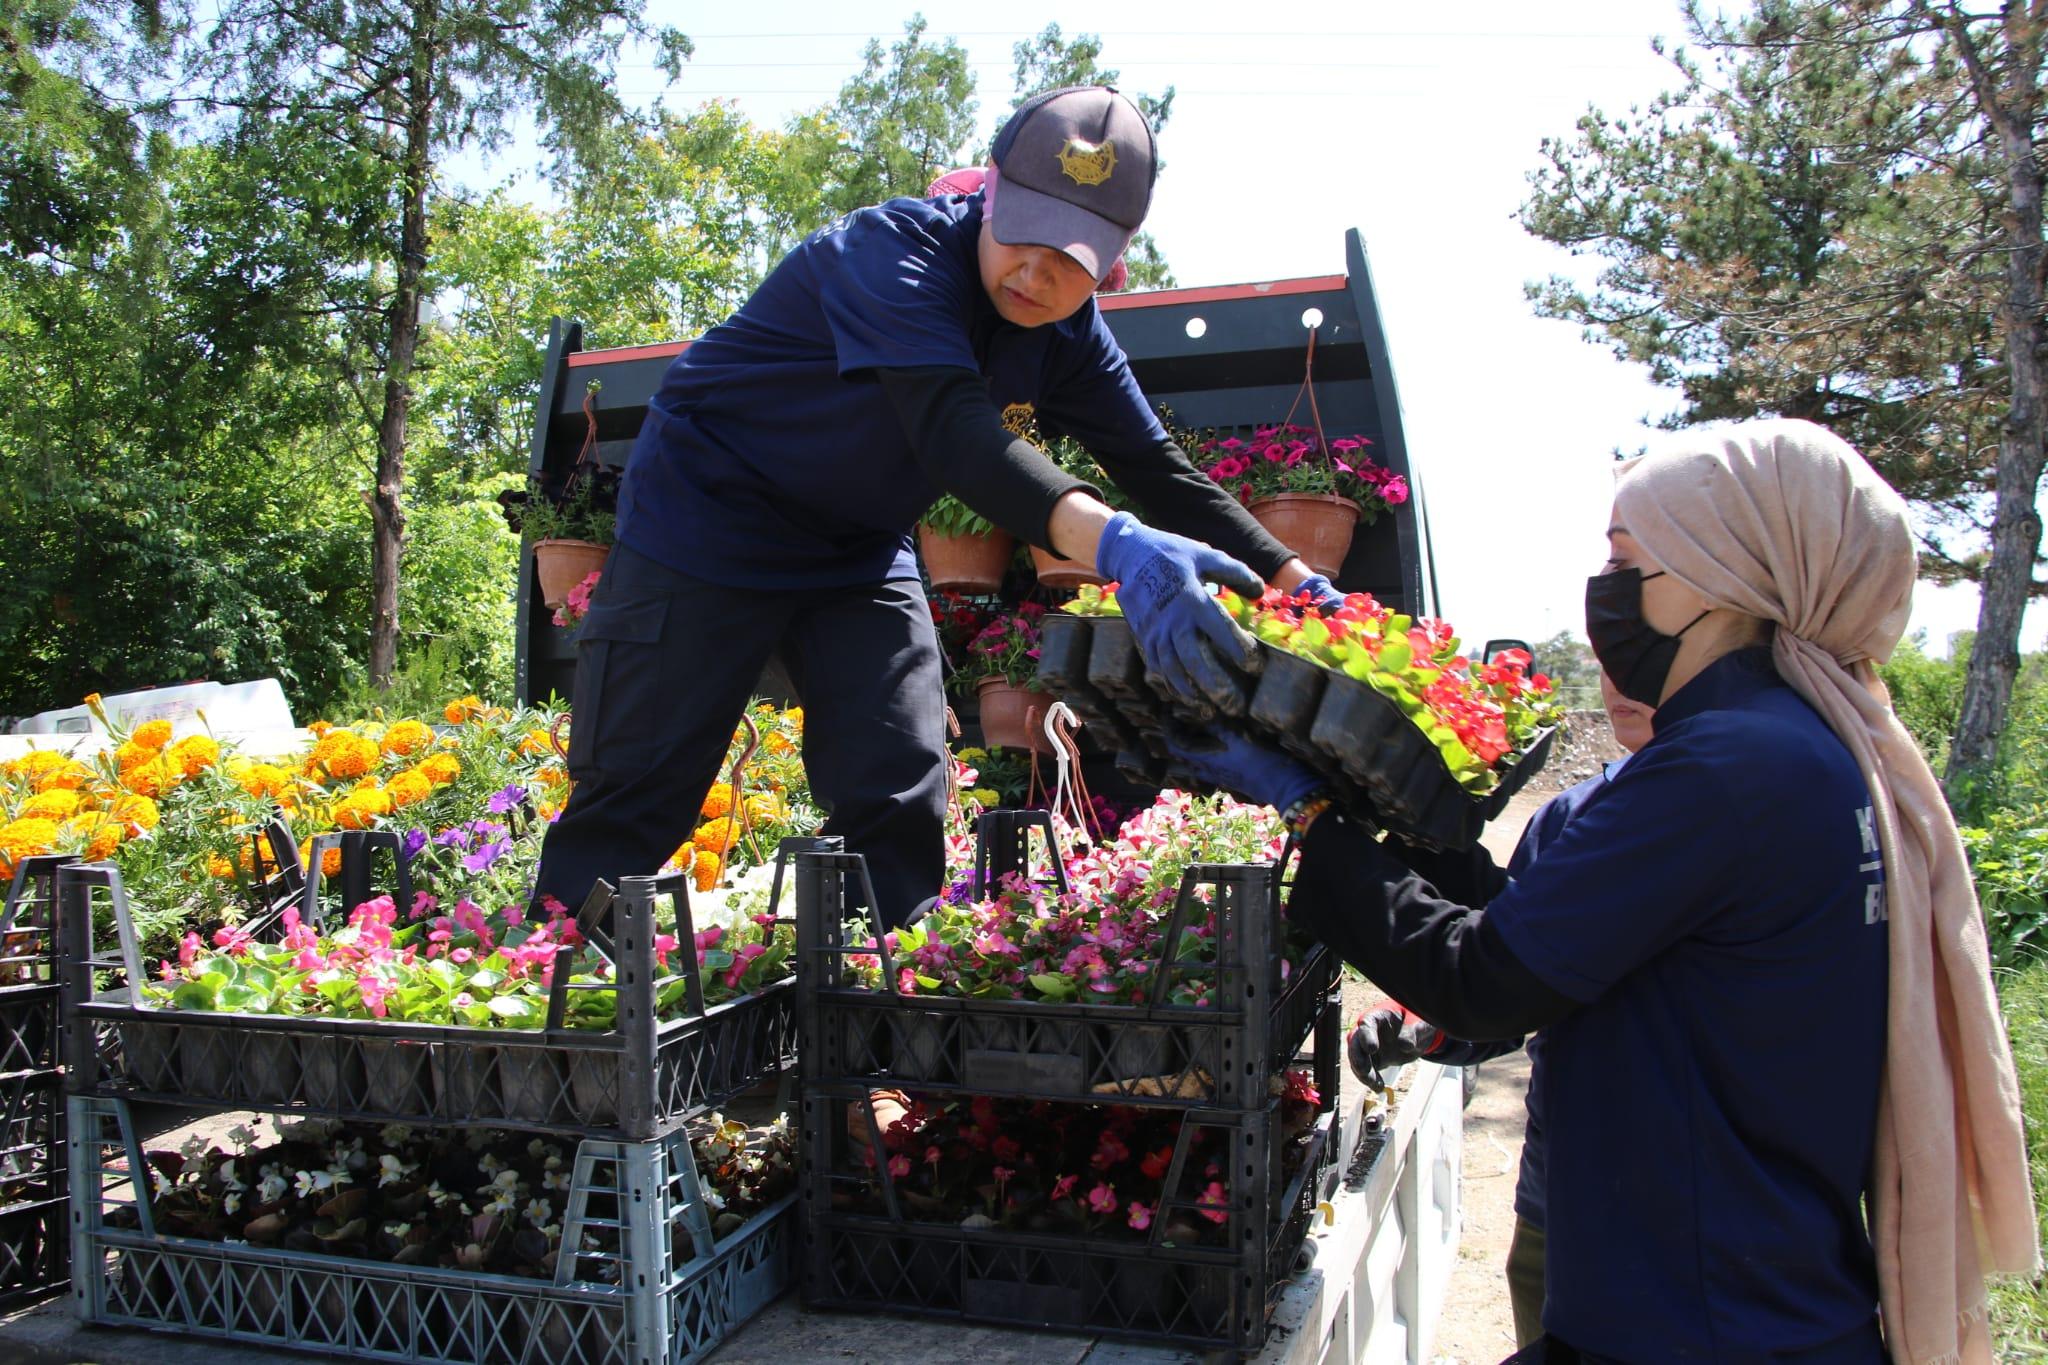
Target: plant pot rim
[1333,499]
[989,683]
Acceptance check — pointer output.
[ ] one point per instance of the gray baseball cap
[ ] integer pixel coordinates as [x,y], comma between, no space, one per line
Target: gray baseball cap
[1074,171]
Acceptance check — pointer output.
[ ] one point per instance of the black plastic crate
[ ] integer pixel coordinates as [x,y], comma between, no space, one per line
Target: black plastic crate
[863,1246]
[633,1081]
[35,1249]
[1375,760]
[1223,1055]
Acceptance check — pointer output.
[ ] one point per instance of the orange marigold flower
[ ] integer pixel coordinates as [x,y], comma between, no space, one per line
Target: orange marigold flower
[153,778]
[536,743]
[132,755]
[682,860]
[99,832]
[220,867]
[409,788]
[345,754]
[319,727]
[56,805]
[26,837]
[152,734]
[64,775]
[260,779]
[407,737]
[462,708]
[441,769]
[360,809]
[714,834]
[705,872]
[795,716]
[36,763]
[194,754]
[330,862]
[776,742]
[135,812]
[717,801]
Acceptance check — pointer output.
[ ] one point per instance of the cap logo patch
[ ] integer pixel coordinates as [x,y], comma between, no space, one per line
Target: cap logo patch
[1085,163]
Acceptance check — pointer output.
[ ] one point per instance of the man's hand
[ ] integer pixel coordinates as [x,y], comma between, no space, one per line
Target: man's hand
[1185,637]
[1386,1037]
[1322,593]
[1260,775]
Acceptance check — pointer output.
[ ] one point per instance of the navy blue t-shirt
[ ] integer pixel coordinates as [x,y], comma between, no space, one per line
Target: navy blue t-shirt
[1710,1111]
[770,456]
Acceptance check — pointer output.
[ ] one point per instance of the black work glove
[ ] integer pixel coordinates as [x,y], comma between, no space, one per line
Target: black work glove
[1388,1037]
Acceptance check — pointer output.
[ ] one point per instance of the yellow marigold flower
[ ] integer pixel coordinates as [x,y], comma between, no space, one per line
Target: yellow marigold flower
[345,754]
[259,779]
[717,801]
[152,734]
[705,870]
[319,727]
[441,769]
[132,755]
[359,809]
[714,834]
[775,742]
[548,810]
[194,754]
[795,716]
[64,775]
[56,805]
[462,708]
[330,862]
[153,778]
[554,774]
[409,788]
[25,838]
[536,743]
[100,833]
[407,737]
[135,812]
[217,866]
[37,763]
[764,809]
[682,860]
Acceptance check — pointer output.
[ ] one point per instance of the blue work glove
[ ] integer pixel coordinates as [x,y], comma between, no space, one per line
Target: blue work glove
[1184,635]
[1259,774]
[1322,593]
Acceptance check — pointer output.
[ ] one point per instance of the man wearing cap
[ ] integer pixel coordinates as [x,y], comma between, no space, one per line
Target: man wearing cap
[769,501]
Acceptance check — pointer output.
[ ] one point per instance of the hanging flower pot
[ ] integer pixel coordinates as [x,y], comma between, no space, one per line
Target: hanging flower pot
[1013,716]
[1316,526]
[970,563]
[1056,571]
[565,563]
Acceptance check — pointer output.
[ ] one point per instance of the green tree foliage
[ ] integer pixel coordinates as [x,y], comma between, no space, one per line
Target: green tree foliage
[1568,661]
[1838,217]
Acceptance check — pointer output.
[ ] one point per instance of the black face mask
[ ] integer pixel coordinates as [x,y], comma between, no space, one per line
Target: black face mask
[1635,655]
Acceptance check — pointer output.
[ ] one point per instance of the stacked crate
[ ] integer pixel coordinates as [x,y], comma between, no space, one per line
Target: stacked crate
[1216,1066]
[34,1246]
[641,1279]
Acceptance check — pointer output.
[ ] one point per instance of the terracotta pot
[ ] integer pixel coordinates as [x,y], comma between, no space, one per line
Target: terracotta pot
[565,563]
[969,564]
[1012,716]
[1056,571]
[1316,526]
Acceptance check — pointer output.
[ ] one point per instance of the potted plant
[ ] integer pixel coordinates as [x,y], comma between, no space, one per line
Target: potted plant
[1001,663]
[963,551]
[571,534]
[1053,569]
[1310,494]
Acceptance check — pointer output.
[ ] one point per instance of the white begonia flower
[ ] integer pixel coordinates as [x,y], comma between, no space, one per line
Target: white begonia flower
[312,1182]
[271,1188]
[779,1128]
[392,1170]
[229,1178]
[555,1180]
[233,1202]
[503,1203]
[538,1211]
[553,1163]
[553,1232]
[394,1134]
[490,1165]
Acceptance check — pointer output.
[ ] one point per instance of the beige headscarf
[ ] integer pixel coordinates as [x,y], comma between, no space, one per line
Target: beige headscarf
[1785,521]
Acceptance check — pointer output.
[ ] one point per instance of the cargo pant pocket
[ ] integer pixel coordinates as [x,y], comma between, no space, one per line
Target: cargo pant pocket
[620,683]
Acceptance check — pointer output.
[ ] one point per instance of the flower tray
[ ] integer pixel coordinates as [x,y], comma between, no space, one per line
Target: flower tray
[35,1247]
[637,1301]
[1153,1054]
[631,1082]
[864,1244]
[1377,762]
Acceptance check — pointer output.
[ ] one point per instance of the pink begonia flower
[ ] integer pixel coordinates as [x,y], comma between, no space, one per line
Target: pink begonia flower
[1064,1186]
[189,948]
[899,1165]
[664,944]
[514,915]
[1215,1203]
[460,956]
[1102,1199]
[234,938]
[463,1000]
[1141,1217]
[906,981]
[166,972]
[375,990]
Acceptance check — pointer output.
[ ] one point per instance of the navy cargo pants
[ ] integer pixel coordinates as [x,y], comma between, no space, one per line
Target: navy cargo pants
[666,663]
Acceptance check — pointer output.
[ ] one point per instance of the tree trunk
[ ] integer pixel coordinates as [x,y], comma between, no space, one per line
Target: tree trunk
[387,507]
[2012,108]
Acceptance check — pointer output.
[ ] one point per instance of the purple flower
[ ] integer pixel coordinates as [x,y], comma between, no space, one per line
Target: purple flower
[414,841]
[481,860]
[455,836]
[506,798]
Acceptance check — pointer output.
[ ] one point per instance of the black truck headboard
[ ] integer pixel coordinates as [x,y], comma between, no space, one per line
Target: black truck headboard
[1226,356]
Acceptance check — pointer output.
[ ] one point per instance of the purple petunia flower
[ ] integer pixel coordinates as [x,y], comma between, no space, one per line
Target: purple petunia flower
[414,841]
[481,860]
[507,798]
[455,836]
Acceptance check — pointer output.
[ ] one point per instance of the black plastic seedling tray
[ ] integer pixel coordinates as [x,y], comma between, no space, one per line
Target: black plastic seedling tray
[1377,762]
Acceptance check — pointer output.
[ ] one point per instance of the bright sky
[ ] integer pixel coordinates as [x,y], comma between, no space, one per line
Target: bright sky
[1417,125]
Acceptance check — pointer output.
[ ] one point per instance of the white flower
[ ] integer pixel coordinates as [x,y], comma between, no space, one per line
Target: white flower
[538,1211]
[229,1178]
[475,1139]
[397,1230]
[490,1165]
[392,1170]
[232,1203]
[553,1232]
[442,1198]
[553,1163]
[241,1136]
[536,1148]
[779,1128]
[713,1200]
[394,1134]
[312,1182]
[271,1188]
[503,1203]
[555,1180]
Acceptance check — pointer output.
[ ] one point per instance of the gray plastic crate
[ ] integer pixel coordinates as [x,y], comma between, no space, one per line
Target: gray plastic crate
[626,1298]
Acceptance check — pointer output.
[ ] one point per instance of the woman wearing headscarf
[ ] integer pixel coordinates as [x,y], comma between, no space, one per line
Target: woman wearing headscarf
[1756,954]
